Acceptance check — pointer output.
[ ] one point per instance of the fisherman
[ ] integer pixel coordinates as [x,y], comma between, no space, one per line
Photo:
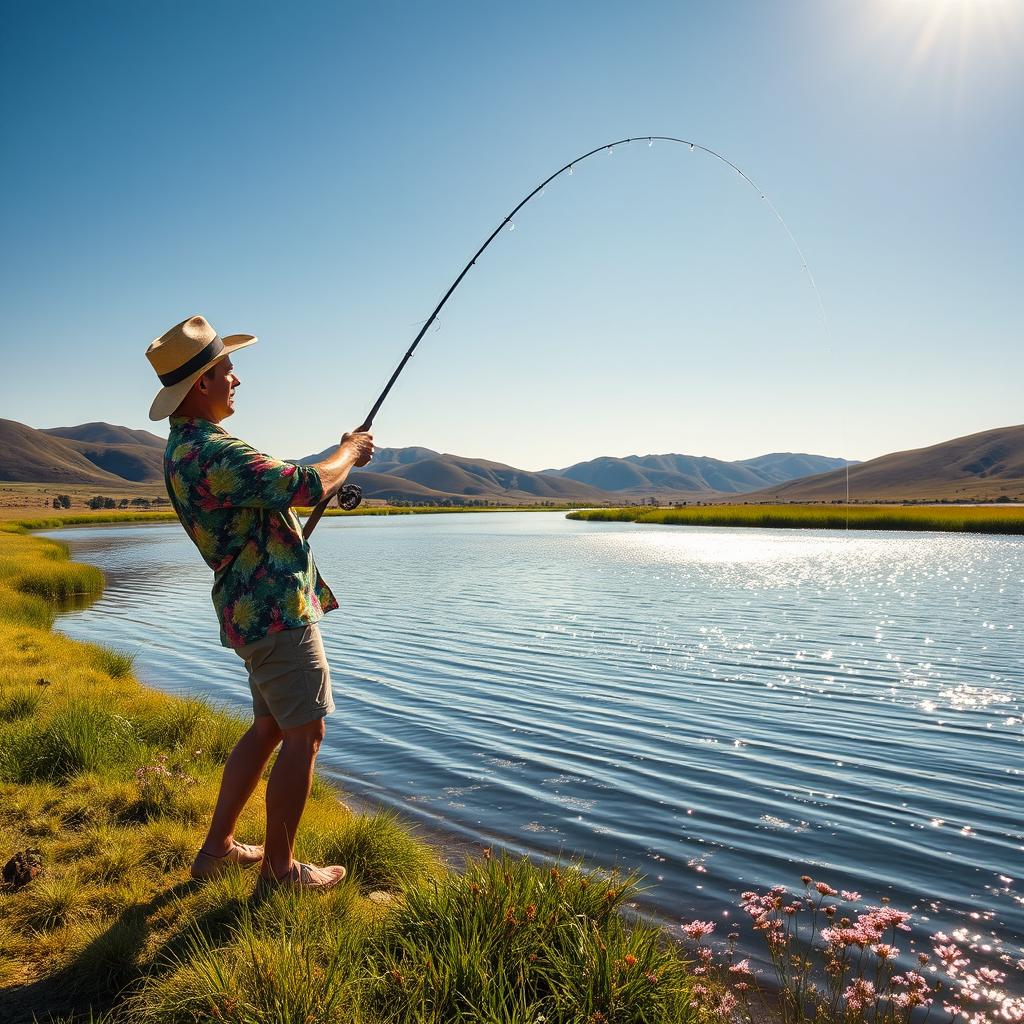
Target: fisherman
[237,506]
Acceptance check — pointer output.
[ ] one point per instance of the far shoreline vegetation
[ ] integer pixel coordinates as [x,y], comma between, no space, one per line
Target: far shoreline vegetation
[52,506]
[995,518]
[105,786]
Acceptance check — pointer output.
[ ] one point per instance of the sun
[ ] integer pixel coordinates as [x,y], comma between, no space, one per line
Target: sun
[957,24]
[950,41]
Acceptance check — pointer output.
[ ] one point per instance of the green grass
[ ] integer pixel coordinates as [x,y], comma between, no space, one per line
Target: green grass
[55,522]
[88,519]
[964,519]
[113,784]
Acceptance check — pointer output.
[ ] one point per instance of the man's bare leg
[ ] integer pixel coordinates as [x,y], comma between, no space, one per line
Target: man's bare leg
[242,772]
[288,788]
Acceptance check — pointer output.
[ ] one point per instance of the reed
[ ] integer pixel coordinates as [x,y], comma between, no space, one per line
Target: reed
[958,519]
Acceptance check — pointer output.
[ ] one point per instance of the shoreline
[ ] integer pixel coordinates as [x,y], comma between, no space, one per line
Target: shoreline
[116,840]
[452,847]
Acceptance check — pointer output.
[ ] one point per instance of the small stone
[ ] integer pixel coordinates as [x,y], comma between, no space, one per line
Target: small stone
[42,682]
[22,868]
[381,897]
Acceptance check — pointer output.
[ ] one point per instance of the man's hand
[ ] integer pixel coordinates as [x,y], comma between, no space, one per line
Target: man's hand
[360,445]
[356,449]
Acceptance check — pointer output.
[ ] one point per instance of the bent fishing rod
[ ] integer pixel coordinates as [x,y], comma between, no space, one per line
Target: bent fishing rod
[350,495]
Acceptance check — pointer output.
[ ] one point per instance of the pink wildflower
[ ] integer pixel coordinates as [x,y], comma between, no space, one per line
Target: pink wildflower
[991,976]
[740,967]
[698,929]
[726,1004]
[825,889]
[952,958]
[846,937]
[916,993]
[884,951]
[860,994]
[851,896]
[889,917]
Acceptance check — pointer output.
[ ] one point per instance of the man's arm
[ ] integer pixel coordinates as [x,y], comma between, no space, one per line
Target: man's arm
[355,450]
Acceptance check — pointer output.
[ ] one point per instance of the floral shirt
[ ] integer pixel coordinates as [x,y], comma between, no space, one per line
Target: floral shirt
[236,505]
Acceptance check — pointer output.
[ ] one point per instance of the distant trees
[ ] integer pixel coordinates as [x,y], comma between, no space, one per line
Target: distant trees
[62,501]
[101,501]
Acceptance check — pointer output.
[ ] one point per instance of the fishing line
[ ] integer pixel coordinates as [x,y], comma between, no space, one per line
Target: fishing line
[351,495]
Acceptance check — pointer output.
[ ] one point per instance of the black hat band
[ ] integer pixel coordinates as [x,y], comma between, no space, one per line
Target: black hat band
[197,362]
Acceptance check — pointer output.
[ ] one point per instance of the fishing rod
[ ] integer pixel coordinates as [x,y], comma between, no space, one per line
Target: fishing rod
[351,495]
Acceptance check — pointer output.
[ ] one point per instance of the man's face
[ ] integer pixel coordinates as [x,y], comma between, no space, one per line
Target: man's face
[218,387]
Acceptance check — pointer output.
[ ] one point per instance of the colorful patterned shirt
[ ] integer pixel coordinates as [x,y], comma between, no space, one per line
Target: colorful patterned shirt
[236,505]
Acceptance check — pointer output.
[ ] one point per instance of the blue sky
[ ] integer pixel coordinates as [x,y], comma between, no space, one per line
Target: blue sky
[318,173]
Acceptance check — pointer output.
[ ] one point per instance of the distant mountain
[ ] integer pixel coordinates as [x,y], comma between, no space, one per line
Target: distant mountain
[689,475]
[108,433]
[410,474]
[979,467]
[139,463]
[982,467]
[31,456]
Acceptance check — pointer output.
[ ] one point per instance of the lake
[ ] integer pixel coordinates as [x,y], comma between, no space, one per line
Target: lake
[721,709]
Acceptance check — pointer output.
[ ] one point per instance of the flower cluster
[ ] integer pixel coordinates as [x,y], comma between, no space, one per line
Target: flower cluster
[857,956]
[160,785]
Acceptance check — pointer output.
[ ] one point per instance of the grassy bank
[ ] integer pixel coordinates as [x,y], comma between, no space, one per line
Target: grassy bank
[110,785]
[56,521]
[959,519]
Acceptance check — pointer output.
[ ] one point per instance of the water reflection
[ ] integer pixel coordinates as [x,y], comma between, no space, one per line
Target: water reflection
[720,708]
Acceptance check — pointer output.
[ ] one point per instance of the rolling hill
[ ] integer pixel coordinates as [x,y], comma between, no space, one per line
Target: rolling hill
[31,456]
[411,474]
[979,467]
[693,476]
[107,433]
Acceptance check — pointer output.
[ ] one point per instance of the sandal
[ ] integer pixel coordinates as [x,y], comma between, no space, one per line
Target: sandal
[209,865]
[307,876]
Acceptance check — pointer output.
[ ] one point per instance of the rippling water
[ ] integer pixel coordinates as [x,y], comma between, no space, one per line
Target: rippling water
[721,709]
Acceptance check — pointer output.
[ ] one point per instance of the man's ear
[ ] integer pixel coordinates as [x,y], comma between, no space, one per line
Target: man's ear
[204,385]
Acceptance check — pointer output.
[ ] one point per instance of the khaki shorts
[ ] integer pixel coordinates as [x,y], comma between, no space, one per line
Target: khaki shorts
[288,676]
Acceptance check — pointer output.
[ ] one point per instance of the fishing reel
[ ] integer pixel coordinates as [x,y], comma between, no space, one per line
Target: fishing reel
[350,497]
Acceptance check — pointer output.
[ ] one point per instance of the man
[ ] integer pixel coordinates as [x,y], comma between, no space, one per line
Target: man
[236,505]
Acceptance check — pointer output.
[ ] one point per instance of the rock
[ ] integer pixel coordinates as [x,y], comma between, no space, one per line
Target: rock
[42,682]
[381,897]
[22,867]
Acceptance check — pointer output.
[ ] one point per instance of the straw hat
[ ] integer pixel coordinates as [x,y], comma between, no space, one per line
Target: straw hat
[183,355]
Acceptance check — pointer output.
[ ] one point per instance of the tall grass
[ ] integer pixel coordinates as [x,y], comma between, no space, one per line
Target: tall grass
[972,519]
[91,519]
[505,941]
[37,567]
[80,737]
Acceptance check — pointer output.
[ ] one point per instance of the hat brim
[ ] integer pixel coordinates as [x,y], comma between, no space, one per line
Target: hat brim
[168,399]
